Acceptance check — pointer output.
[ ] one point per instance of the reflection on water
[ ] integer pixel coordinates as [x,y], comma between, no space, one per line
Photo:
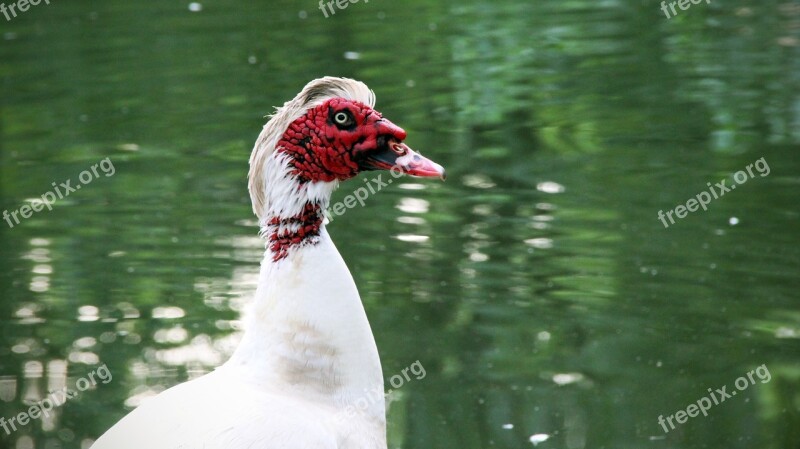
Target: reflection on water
[538,288]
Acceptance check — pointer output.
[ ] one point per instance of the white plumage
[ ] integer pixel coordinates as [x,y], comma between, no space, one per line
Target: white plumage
[307,363]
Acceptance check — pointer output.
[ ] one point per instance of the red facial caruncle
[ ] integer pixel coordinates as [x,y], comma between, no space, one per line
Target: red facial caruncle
[326,143]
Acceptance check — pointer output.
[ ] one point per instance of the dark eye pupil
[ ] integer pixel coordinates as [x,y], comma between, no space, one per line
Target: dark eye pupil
[342,118]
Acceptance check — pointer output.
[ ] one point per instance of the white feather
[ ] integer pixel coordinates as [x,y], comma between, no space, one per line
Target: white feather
[306,374]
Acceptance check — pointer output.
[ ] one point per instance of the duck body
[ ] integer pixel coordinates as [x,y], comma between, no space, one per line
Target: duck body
[306,374]
[298,380]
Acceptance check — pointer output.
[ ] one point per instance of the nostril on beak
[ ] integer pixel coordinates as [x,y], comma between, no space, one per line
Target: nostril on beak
[398,148]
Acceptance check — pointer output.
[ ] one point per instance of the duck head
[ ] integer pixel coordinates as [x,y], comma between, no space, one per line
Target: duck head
[340,138]
[329,132]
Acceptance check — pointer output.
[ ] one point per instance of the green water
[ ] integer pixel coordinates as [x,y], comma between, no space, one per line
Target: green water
[537,286]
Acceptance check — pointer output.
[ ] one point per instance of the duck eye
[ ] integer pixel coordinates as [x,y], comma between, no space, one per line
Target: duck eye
[342,118]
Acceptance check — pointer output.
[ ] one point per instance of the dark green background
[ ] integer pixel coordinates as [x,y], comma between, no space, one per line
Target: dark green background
[565,126]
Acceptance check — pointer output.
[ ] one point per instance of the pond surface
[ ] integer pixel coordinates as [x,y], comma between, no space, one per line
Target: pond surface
[538,287]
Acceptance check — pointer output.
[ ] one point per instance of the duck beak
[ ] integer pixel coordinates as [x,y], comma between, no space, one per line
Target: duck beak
[398,156]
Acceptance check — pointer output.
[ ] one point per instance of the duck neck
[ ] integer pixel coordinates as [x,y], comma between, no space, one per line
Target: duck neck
[307,333]
[293,208]
[285,234]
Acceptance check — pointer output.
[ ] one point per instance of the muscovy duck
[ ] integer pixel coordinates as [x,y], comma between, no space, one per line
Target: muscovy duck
[305,374]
